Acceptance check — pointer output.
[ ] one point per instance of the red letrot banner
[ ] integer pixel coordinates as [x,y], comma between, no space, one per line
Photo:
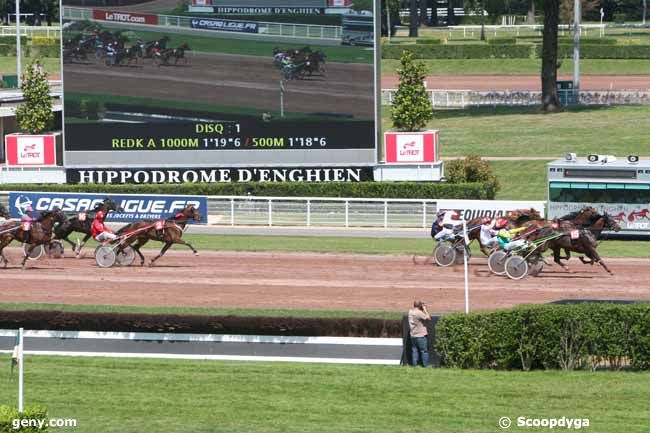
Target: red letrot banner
[30,150]
[411,147]
[125,17]
[338,3]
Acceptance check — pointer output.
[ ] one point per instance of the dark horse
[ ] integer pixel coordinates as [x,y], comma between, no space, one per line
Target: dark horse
[3,213]
[39,233]
[81,223]
[164,57]
[515,218]
[170,232]
[582,240]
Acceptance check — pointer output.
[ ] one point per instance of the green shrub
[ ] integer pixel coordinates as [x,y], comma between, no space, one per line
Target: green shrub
[9,414]
[567,337]
[44,40]
[469,51]
[472,169]
[502,41]
[7,50]
[11,40]
[619,17]
[607,52]
[428,41]
[72,107]
[589,41]
[423,190]
[90,109]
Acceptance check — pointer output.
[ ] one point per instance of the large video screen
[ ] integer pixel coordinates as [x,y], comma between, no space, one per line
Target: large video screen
[197,89]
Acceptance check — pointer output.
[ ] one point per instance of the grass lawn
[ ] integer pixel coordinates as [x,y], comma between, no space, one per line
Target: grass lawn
[522,67]
[200,311]
[206,44]
[521,180]
[297,244]
[525,131]
[8,65]
[123,396]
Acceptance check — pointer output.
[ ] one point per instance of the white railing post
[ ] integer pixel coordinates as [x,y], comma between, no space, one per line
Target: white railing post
[385,214]
[270,214]
[347,213]
[232,211]
[424,214]
[308,213]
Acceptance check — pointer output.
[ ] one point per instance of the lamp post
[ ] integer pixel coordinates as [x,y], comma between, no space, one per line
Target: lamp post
[18,47]
[576,50]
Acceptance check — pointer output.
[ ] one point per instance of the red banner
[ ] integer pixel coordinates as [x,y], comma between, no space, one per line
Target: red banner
[338,3]
[30,150]
[411,147]
[125,17]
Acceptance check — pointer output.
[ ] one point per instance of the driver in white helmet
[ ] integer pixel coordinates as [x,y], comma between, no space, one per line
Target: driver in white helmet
[450,223]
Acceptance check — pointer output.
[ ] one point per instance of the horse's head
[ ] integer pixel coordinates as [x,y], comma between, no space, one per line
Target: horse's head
[191,212]
[185,46]
[109,204]
[610,223]
[4,213]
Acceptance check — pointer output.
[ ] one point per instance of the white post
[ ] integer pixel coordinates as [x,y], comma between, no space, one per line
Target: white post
[465,259]
[424,214]
[385,214]
[18,47]
[347,213]
[308,213]
[576,48]
[281,98]
[388,20]
[20,367]
[232,211]
[270,214]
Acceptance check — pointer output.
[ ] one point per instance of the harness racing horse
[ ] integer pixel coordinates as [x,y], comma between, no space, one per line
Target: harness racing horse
[81,223]
[169,232]
[38,232]
[586,241]
[4,213]
[163,57]
[515,218]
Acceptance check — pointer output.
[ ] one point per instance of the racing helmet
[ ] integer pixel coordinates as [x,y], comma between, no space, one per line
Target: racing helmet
[501,223]
[29,209]
[99,216]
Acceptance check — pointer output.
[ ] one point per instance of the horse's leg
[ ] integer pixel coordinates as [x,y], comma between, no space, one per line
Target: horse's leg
[161,253]
[595,257]
[83,242]
[74,247]
[136,247]
[182,242]
[29,251]
[557,257]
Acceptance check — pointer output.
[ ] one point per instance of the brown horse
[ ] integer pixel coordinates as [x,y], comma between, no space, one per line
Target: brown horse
[4,213]
[516,218]
[39,233]
[169,232]
[586,241]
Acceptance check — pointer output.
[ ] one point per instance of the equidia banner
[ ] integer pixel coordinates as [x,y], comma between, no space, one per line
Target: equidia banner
[136,207]
[224,25]
[469,209]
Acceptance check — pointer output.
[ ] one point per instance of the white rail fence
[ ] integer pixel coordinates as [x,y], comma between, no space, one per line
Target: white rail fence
[443,98]
[30,31]
[265,28]
[321,211]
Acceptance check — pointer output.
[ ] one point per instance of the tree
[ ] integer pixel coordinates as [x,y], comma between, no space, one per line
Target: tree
[566,8]
[360,5]
[394,7]
[413,19]
[450,13]
[35,115]
[550,101]
[411,108]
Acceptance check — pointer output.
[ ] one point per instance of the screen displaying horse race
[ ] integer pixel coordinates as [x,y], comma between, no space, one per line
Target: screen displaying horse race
[152,89]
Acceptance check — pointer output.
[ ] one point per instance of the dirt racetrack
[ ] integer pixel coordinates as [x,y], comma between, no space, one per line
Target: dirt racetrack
[308,281]
[486,83]
[231,80]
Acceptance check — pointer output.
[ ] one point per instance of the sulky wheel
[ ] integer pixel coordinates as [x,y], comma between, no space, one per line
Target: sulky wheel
[460,253]
[516,267]
[125,257]
[35,254]
[445,255]
[105,257]
[497,262]
[56,249]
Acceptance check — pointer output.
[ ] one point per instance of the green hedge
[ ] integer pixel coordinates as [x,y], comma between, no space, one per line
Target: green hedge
[42,51]
[426,190]
[428,41]
[567,337]
[502,41]
[511,51]
[469,51]
[9,414]
[589,41]
[7,50]
[11,40]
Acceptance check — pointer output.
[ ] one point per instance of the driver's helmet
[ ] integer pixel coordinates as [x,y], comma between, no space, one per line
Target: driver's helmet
[29,209]
[501,223]
[99,216]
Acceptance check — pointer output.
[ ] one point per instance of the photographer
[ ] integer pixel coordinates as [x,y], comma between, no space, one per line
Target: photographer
[418,331]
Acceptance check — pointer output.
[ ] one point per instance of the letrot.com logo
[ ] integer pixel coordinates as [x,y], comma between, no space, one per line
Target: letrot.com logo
[410,148]
[30,151]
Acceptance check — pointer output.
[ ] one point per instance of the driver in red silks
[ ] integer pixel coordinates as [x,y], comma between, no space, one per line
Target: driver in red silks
[99,231]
